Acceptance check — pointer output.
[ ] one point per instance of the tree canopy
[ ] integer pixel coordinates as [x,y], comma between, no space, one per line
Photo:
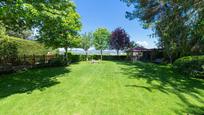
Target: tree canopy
[56,20]
[119,39]
[133,44]
[86,42]
[101,39]
[177,23]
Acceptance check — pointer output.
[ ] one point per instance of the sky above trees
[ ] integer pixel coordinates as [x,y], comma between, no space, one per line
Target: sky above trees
[111,14]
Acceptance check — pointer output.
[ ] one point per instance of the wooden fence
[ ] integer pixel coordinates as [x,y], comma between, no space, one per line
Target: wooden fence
[27,61]
[13,64]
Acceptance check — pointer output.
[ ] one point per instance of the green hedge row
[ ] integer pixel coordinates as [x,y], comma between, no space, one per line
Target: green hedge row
[191,65]
[77,58]
[29,47]
[24,47]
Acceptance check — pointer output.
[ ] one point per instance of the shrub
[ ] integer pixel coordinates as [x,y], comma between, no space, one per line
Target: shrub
[191,65]
[29,47]
[115,57]
[77,58]
[73,58]
[56,62]
[8,50]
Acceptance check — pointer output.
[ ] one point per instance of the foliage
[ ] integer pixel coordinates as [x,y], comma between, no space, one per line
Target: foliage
[109,85]
[57,21]
[170,50]
[132,44]
[8,49]
[75,42]
[11,46]
[29,47]
[119,40]
[86,42]
[74,58]
[64,32]
[54,51]
[25,34]
[111,57]
[101,39]
[191,65]
[57,62]
[17,15]
[2,30]
[177,23]
[78,58]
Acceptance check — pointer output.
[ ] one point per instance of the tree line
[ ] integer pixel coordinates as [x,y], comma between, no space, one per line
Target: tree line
[102,39]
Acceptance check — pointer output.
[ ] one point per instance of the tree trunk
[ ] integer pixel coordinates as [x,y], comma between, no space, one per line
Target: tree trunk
[87,56]
[170,59]
[65,54]
[101,54]
[117,52]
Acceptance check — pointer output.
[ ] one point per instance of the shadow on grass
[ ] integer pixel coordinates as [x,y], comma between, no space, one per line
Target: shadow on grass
[168,82]
[28,81]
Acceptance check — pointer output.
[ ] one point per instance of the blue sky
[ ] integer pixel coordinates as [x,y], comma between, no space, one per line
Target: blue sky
[111,14]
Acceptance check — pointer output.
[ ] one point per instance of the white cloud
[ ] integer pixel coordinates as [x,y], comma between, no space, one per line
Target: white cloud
[143,43]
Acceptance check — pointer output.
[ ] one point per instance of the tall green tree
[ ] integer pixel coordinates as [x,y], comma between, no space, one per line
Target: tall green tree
[57,20]
[101,39]
[61,26]
[175,21]
[86,42]
[19,15]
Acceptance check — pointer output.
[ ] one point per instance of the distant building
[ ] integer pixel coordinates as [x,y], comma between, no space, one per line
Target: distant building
[143,54]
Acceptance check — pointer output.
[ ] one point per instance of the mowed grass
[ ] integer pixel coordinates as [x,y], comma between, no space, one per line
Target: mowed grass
[107,88]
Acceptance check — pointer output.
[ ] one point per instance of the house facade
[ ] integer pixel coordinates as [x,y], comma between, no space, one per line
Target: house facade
[144,54]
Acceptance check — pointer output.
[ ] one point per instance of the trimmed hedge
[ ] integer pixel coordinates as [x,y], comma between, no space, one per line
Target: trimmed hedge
[28,47]
[77,58]
[8,49]
[191,65]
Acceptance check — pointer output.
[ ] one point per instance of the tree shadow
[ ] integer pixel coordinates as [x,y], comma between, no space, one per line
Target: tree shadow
[26,82]
[168,82]
[137,86]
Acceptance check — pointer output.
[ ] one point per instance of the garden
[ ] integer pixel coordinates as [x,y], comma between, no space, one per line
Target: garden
[47,67]
[110,88]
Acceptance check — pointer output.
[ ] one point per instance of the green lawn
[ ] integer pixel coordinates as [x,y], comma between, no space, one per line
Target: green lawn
[108,88]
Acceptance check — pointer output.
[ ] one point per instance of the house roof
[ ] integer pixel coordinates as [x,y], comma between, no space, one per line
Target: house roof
[139,49]
[142,49]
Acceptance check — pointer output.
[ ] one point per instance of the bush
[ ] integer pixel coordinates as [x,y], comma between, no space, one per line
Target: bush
[57,62]
[73,58]
[77,58]
[191,65]
[115,57]
[29,47]
[8,50]
[13,47]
